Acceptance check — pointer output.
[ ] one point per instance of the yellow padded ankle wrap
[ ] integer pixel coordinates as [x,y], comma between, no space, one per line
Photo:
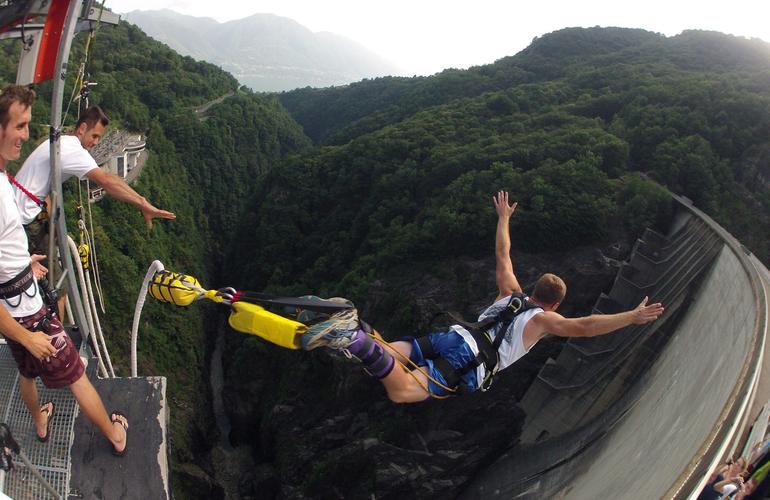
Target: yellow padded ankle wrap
[255,320]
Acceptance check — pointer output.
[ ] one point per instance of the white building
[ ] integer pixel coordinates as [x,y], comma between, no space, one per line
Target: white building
[122,154]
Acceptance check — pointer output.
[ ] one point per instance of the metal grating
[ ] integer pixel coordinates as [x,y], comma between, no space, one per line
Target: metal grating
[52,458]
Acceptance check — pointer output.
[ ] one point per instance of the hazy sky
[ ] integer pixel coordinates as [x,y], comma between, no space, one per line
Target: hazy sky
[426,36]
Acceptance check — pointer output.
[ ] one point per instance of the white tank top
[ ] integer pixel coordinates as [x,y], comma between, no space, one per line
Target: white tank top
[512,348]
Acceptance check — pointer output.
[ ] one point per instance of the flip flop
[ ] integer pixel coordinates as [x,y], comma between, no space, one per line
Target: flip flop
[114,419]
[51,413]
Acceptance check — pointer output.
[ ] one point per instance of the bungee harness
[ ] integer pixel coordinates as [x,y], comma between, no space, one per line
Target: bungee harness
[249,316]
[481,332]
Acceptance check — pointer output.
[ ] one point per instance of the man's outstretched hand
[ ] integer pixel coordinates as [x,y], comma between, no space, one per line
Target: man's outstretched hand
[501,204]
[150,212]
[644,313]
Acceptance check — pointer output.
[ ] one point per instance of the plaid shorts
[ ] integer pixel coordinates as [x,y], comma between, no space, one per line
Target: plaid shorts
[62,368]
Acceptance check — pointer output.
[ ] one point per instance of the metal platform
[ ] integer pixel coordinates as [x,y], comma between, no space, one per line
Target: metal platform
[52,459]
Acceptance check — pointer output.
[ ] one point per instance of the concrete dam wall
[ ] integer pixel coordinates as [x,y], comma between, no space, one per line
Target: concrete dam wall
[648,411]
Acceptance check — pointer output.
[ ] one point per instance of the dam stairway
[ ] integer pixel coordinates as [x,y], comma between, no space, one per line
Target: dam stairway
[659,408]
[590,373]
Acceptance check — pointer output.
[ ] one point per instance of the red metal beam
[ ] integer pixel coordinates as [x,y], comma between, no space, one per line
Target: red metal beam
[49,45]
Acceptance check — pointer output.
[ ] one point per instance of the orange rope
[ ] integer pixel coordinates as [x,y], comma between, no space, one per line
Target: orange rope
[414,367]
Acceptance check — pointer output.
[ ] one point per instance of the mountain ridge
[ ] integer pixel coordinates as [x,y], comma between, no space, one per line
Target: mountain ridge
[265,52]
[386,100]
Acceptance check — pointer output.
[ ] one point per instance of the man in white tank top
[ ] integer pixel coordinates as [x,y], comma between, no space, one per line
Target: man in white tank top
[458,347]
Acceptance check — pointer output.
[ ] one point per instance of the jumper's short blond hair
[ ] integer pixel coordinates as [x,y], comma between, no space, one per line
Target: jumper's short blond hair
[549,289]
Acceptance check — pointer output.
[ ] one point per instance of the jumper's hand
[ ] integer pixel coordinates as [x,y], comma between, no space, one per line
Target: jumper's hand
[501,205]
[644,313]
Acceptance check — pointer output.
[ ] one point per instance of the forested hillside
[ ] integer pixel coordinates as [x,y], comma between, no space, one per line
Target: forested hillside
[336,114]
[691,111]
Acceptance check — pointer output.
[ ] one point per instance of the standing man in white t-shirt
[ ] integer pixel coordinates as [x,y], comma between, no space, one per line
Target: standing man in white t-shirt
[49,354]
[33,181]
[449,360]
[76,160]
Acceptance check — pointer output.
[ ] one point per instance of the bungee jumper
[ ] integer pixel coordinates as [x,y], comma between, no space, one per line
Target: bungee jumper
[462,359]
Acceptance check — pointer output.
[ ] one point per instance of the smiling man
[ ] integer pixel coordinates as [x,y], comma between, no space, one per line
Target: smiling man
[76,160]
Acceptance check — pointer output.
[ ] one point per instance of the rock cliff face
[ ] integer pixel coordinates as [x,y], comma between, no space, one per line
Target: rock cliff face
[319,427]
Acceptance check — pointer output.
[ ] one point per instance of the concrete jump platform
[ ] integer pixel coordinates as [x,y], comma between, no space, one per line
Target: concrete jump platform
[143,471]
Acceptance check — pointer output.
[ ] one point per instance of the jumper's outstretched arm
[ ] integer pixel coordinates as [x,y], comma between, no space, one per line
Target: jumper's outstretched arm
[506,279]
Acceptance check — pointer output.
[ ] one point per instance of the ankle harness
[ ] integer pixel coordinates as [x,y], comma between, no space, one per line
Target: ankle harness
[377,361]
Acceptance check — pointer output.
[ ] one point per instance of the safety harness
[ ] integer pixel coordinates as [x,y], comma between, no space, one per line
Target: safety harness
[17,285]
[481,332]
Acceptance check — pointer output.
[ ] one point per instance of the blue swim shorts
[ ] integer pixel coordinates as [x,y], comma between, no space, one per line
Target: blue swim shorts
[451,346]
